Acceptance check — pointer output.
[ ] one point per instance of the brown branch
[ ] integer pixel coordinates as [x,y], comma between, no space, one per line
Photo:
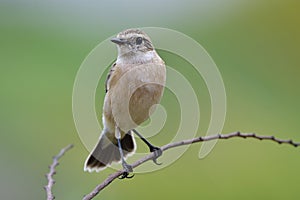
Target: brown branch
[115,175]
[52,171]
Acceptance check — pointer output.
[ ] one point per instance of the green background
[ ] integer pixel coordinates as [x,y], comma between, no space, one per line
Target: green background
[255,45]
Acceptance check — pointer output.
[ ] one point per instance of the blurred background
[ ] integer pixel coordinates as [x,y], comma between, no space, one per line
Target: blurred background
[254,43]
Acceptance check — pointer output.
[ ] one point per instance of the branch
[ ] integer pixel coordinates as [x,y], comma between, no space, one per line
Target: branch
[115,175]
[52,171]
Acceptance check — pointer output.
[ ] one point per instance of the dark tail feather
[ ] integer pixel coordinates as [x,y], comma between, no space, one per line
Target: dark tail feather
[107,152]
[127,143]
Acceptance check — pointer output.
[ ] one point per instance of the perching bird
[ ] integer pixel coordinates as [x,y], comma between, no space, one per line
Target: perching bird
[133,87]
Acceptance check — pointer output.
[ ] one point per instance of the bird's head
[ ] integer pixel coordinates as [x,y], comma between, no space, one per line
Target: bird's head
[132,43]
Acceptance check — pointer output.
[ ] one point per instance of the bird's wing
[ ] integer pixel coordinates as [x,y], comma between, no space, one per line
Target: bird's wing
[113,76]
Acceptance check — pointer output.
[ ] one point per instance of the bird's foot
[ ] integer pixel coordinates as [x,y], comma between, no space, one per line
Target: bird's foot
[127,170]
[157,153]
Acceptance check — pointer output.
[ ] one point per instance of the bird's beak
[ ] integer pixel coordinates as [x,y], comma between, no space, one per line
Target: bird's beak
[119,41]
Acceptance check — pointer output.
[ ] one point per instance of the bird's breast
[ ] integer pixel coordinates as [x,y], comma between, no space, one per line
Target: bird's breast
[136,93]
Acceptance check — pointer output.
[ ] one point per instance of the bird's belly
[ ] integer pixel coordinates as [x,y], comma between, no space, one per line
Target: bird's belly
[142,102]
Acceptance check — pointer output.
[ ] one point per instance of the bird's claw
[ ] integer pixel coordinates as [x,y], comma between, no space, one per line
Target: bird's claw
[126,175]
[157,153]
[127,169]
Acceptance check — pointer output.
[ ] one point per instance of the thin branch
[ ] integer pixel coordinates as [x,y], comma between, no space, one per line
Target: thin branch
[150,156]
[52,171]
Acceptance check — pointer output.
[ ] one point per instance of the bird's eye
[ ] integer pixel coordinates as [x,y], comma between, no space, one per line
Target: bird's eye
[139,40]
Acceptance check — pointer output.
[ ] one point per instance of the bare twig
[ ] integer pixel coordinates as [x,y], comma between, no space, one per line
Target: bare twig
[52,171]
[150,156]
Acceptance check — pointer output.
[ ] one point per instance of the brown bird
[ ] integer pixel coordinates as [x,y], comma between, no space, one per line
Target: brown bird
[133,87]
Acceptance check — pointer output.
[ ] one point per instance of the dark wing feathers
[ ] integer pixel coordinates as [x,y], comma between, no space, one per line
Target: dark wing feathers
[109,76]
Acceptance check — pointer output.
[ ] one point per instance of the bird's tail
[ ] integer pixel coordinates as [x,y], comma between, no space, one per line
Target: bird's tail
[106,152]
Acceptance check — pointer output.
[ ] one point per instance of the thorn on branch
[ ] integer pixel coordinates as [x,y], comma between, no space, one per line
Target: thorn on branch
[52,171]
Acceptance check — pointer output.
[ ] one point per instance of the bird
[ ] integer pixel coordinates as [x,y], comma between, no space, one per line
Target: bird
[134,86]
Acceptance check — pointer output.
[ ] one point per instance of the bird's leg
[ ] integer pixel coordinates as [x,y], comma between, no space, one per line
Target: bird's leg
[126,166]
[156,150]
